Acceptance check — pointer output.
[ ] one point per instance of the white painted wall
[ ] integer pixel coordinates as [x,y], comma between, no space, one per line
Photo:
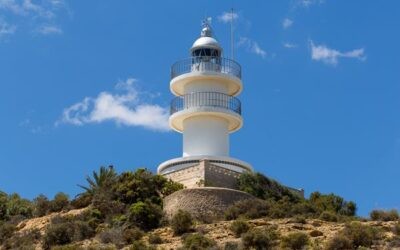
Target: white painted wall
[202,85]
[205,135]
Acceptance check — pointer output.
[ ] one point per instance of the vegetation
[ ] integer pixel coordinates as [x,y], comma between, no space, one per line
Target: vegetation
[260,239]
[181,222]
[122,209]
[295,241]
[239,227]
[197,241]
[382,215]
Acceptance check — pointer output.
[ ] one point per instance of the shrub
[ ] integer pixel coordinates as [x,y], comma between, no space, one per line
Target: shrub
[299,219]
[83,230]
[58,234]
[264,188]
[41,205]
[113,235]
[396,229]
[295,241]
[238,227]
[259,239]
[60,202]
[145,215]
[360,235]
[197,241]
[332,203]
[250,208]
[140,245]
[328,216]
[181,222]
[338,242]
[25,240]
[230,245]
[81,201]
[17,206]
[382,215]
[6,231]
[131,235]
[155,239]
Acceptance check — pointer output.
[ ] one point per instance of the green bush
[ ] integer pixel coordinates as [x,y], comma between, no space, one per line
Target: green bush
[332,203]
[140,245]
[155,239]
[360,235]
[264,188]
[260,239]
[238,227]
[17,206]
[328,216]
[6,231]
[231,246]
[81,201]
[295,241]
[24,240]
[145,215]
[41,206]
[181,222]
[112,235]
[60,202]
[382,215]
[131,235]
[250,209]
[58,234]
[82,230]
[197,241]
[338,242]
[396,229]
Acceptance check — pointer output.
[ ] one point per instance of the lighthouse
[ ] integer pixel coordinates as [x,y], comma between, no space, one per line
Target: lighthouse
[206,110]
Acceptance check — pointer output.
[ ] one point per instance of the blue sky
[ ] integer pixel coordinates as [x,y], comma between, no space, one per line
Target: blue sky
[86,83]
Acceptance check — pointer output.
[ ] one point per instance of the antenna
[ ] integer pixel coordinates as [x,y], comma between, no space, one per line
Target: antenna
[232,37]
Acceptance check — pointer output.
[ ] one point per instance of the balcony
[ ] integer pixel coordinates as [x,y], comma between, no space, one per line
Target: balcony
[206,99]
[206,64]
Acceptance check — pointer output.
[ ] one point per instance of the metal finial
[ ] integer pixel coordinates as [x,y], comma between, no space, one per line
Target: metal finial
[207,30]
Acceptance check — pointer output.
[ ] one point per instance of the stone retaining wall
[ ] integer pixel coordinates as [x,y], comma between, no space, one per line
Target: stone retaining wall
[204,202]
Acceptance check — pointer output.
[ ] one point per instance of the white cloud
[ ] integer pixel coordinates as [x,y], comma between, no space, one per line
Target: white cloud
[49,29]
[289,45]
[6,29]
[308,3]
[226,17]
[127,109]
[287,23]
[252,46]
[331,56]
[36,13]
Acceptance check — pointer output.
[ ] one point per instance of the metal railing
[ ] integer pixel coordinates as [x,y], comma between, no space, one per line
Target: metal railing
[206,99]
[206,63]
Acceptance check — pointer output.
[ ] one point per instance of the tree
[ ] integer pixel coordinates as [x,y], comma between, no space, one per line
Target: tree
[41,205]
[104,179]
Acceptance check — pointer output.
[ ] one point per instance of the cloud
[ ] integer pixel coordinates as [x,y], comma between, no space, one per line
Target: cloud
[287,23]
[308,3]
[252,46]
[48,30]
[289,45]
[6,29]
[331,56]
[126,109]
[34,13]
[226,17]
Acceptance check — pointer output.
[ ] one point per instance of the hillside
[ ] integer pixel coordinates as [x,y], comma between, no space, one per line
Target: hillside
[124,211]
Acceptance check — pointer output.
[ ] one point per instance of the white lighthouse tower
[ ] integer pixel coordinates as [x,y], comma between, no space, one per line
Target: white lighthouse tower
[205,110]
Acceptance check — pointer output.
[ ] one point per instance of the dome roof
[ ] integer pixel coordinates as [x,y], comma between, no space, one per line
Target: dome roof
[206,42]
[206,39]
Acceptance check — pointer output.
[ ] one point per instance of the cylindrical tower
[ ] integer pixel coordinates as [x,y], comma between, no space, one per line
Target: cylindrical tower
[205,109]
